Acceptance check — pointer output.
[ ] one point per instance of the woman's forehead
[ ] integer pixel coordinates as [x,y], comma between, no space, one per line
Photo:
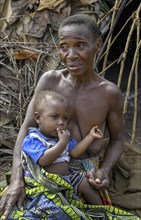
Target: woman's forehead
[74,31]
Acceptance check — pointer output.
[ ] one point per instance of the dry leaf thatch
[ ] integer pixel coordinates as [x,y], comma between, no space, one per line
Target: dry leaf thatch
[28,44]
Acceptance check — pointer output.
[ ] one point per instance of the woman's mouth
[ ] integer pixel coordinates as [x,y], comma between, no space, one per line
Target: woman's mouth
[74,66]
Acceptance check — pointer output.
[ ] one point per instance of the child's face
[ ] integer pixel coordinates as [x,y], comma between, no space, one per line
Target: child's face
[52,115]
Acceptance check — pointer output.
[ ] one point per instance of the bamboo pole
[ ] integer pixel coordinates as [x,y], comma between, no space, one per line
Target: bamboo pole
[117,35]
[116,6]
[108,67]
[136,80]
[124,54]
[130,76]
[110,32]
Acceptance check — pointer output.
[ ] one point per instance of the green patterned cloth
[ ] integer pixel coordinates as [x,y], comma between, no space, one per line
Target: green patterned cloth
[51,197]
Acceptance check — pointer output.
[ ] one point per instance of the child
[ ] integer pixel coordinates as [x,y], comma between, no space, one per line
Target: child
[50,146]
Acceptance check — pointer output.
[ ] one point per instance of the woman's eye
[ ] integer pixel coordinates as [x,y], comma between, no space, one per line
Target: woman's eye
[81,45]
[63,47]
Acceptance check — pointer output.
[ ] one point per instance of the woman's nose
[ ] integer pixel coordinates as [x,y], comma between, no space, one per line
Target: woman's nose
[71,53]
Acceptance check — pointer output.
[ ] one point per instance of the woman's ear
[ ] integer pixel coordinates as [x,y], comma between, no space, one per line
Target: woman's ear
[37,117]
[99,43]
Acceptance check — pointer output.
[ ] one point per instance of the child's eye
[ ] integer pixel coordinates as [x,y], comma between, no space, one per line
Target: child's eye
[66,118]
[54,116]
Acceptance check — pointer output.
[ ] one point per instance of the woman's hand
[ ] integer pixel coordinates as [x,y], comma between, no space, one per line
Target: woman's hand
[98,179]
[14,194]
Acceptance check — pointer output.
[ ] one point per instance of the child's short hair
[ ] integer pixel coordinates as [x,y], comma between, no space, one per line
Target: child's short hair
[48,94]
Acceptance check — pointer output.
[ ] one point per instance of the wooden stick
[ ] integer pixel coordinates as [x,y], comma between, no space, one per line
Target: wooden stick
[136,80]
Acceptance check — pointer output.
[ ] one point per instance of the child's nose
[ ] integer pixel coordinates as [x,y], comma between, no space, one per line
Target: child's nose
[60,121]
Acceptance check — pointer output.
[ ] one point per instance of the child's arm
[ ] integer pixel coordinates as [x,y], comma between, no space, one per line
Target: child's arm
[50,155]
[81,147]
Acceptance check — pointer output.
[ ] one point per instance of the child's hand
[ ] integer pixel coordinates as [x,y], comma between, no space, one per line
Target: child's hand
[63,134]
[96,132]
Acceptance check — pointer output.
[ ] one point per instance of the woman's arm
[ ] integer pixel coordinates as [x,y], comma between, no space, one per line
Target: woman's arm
[15,193]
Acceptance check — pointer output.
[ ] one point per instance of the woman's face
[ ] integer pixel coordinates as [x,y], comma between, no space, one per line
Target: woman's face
[77,49]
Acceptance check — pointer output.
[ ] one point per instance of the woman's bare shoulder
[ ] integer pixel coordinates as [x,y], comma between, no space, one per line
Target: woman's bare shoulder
[54,73]
[110,91]
[49,80]
[109,87]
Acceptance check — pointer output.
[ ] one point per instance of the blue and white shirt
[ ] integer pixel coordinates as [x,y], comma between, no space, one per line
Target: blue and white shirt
[35,144]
